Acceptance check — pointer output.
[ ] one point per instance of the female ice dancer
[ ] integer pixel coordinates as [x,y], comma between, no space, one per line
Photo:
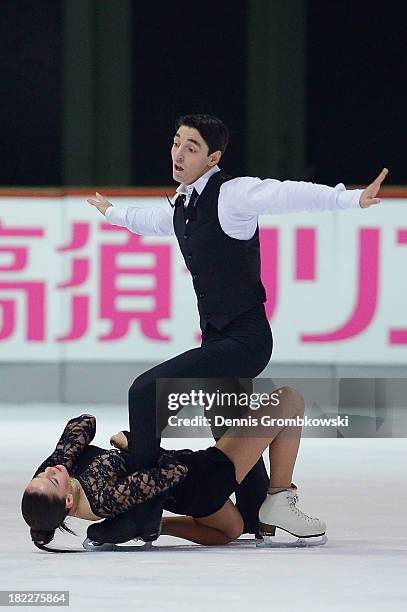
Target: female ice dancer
[91,483]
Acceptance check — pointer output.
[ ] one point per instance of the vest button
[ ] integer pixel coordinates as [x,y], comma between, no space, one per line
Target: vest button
[207,315]
[201,295]
[194,276]
[185,236]
[190,257]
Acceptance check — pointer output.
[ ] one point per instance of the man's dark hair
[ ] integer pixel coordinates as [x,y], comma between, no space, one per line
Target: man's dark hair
[213,130]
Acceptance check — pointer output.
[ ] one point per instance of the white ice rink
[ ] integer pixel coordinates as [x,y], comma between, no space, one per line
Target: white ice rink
[357,485]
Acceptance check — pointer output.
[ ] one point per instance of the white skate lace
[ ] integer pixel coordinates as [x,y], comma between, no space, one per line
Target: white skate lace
[292,500]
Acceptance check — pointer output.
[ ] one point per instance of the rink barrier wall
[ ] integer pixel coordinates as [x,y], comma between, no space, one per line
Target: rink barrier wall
[60,376]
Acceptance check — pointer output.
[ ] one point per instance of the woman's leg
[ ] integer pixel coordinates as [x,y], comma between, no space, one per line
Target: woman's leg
[244,445]
[252,491]
[222,527]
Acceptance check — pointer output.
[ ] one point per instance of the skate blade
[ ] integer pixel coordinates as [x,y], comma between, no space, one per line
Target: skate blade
[90,546]
[268,542]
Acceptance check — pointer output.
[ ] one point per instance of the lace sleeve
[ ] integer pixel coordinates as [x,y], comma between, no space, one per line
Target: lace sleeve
[168,453]
[78,433]
[163,451]
[139,487]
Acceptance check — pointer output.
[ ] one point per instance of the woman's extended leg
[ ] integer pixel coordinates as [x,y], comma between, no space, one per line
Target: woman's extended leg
[245,444]
[279,508]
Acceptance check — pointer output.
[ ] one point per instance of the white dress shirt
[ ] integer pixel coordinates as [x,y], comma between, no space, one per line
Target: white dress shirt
[241,201]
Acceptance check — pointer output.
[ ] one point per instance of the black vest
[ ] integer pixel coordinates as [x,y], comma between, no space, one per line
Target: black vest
[225,271]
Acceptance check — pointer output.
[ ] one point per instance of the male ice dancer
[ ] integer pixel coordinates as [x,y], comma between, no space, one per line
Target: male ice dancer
[215,220]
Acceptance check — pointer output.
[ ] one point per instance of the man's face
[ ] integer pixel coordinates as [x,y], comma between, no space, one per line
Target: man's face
[190,158]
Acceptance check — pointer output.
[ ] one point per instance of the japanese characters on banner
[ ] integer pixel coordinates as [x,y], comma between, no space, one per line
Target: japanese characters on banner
[75,288]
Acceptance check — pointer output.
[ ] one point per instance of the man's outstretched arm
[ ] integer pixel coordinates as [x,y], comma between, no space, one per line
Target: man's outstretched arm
[143,220]
[248,197]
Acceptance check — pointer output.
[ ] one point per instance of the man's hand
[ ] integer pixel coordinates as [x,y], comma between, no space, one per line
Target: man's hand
[100,203]
[368,195]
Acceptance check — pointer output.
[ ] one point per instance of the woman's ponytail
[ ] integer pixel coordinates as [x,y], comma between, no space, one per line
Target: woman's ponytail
[44,516]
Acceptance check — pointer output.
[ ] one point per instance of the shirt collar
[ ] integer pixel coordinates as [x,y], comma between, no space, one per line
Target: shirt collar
[199,184]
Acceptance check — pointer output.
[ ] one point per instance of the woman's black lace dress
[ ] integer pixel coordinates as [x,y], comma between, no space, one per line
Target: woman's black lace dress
[198,482]
[103,474]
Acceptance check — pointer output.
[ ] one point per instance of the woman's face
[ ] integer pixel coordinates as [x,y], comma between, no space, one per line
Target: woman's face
[54,481]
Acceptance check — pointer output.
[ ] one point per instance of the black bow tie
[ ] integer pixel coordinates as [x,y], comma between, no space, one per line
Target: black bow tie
[180,201]
[189,211]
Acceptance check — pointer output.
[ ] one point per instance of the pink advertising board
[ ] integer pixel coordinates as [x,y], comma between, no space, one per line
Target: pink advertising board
[74,288]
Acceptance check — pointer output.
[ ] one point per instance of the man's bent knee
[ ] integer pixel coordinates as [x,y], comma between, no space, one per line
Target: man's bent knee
[140,385]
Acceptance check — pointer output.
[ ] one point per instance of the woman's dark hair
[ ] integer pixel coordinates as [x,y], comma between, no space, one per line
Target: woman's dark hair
[213,130]
[44,514]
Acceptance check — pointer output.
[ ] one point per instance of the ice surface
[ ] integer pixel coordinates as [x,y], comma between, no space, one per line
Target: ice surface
[357,485]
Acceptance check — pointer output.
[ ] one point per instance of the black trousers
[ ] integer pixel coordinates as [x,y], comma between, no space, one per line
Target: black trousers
[240,351]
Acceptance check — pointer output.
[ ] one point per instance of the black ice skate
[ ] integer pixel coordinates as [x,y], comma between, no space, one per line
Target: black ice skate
[140,523]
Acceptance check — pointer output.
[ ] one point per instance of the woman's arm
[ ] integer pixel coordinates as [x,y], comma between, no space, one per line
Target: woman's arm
[121,441]
[124,493]
[78,434]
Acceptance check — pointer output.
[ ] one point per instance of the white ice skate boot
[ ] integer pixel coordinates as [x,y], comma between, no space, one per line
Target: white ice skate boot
[280,511]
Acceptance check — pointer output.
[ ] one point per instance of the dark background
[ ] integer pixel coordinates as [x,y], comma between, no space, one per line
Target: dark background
[31,92]
[189,57]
